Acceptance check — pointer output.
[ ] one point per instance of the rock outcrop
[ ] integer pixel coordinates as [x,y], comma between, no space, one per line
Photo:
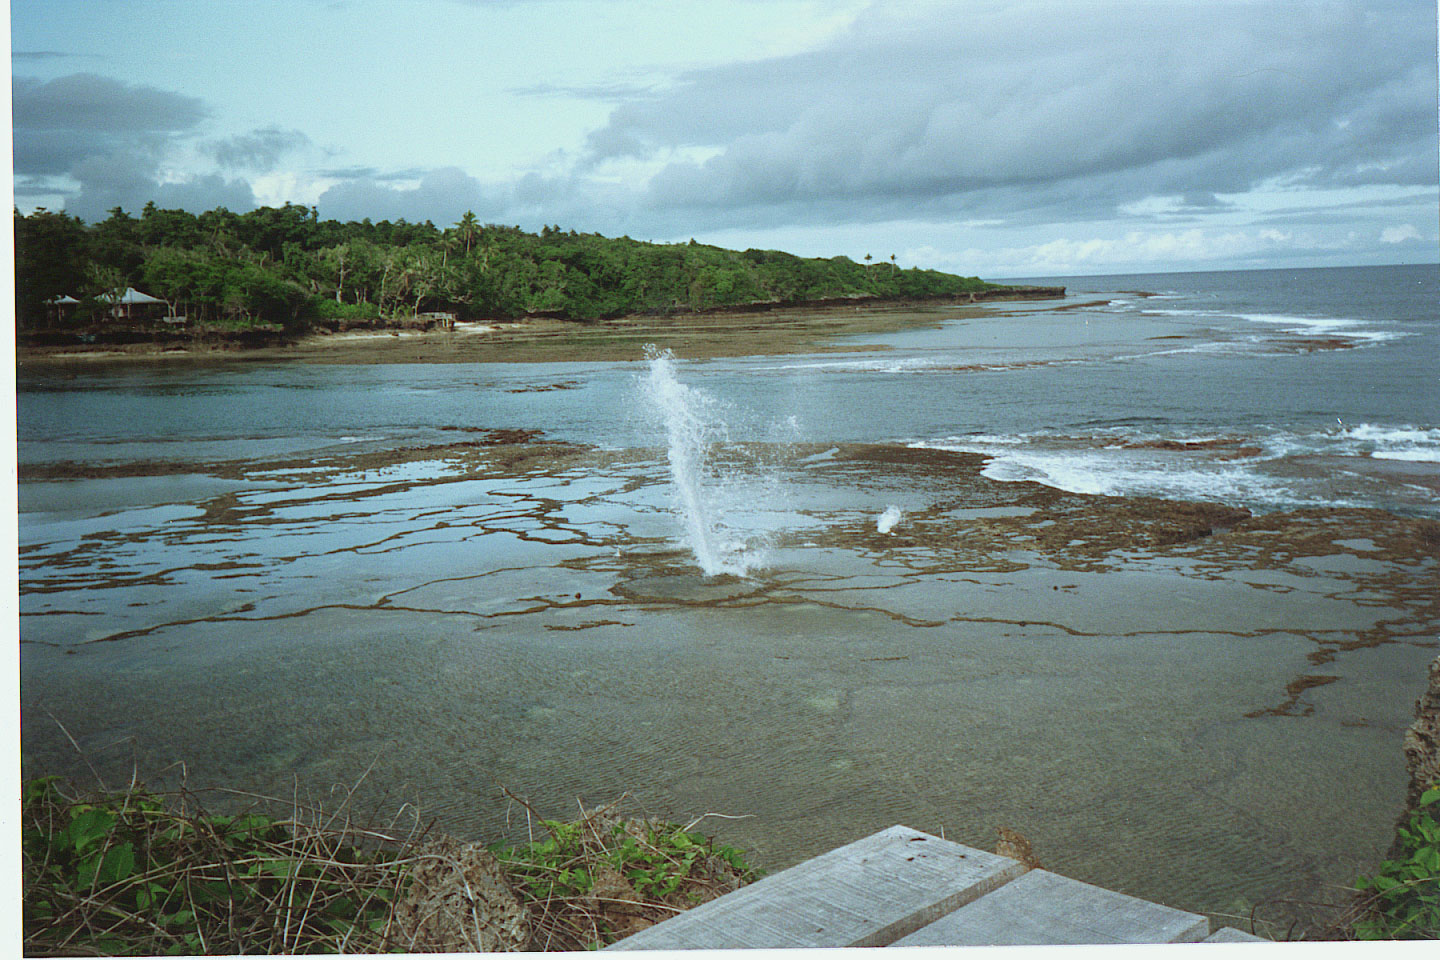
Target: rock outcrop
[1422,747]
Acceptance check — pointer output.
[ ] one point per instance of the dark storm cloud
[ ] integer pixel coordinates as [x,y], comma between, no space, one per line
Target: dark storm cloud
[258,150]
[92,103]
[129,181]
[108,136]
[60,122]
[1048,106]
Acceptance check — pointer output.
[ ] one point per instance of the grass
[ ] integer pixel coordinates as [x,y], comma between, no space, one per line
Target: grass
[140,873]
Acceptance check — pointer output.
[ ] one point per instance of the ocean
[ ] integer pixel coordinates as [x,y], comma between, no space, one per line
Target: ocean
[953,580]
[1271,389]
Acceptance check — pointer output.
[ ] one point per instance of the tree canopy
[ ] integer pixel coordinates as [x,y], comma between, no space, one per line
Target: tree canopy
[284,265]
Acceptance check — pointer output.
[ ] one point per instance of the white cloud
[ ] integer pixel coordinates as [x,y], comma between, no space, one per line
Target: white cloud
[1135,251]
[1399,234]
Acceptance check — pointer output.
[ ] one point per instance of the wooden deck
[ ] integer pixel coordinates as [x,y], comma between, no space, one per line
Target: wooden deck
[901,887]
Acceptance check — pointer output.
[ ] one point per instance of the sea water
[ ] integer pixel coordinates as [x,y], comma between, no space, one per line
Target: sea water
[1268,389]
[546,624]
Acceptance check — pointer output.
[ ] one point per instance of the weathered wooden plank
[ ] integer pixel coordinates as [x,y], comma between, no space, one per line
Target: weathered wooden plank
[1044,908]
[1231,935]
[866,894]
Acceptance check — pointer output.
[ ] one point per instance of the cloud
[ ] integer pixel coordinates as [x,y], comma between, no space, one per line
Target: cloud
[442,196]
[39,54]
[258,150]
[1060,256]
[1047,107]
[130,181]
[60,122]
[109,138]
[1399,234]
[95,104]
[358,172]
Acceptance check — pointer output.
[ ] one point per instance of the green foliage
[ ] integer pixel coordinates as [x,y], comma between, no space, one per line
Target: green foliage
[656,859]
[584,878]
[1403,896]
[337,310]
[124,874]
[279,265]
[137,874]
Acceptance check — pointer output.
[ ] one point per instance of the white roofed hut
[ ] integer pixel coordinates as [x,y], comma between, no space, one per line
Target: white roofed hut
[132,304]
[58,308]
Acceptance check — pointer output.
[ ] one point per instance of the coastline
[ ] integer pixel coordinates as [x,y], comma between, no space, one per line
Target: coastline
[811,327]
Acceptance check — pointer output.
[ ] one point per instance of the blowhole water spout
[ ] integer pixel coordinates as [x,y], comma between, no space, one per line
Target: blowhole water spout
[888,519]
[692,426]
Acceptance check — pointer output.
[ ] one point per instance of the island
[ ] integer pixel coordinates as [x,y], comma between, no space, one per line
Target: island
[281,280]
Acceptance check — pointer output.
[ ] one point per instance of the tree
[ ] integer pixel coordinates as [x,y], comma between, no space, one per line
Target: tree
[107,282]
[468,229]
[49,262]
[283,265]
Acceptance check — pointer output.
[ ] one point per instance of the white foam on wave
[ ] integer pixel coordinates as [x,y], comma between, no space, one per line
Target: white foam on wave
[882,365]
[1412,455]
[1211,468]
[1108,473]
[1208,346]
[1348,328]
[1165,312]
[1404,442]
[1394,434]
[1363,332]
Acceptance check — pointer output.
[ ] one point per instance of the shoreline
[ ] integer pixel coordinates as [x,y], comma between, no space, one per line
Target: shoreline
[768,329]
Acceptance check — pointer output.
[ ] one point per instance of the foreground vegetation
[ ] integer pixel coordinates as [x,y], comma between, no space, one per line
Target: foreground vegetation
[138,873]
[286,267]
[1401,900]
[135,873]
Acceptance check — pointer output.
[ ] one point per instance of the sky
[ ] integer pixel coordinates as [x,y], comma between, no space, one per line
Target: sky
[1021,138]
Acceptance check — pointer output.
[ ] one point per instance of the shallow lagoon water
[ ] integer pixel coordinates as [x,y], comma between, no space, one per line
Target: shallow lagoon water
[545,631]
[1087,670]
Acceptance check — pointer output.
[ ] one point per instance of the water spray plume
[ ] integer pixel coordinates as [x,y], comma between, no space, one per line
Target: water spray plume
[888,519]
[692,425]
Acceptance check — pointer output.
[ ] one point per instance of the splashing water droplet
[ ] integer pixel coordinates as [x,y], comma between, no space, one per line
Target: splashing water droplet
[692,423]
[888,519]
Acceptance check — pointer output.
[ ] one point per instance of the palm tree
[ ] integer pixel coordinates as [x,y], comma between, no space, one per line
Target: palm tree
[469,229]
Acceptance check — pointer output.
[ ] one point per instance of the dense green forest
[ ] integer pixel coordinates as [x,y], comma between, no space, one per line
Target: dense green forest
[285,267]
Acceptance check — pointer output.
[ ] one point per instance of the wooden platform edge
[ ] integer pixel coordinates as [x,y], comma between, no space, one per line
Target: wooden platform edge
[830,901]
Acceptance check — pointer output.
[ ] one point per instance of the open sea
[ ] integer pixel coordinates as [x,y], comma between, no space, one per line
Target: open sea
[1268,388]
[946,580]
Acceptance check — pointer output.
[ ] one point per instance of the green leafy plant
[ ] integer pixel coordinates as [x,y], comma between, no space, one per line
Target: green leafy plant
[592,881]
[1402,899]
[138,873]
[130,874]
